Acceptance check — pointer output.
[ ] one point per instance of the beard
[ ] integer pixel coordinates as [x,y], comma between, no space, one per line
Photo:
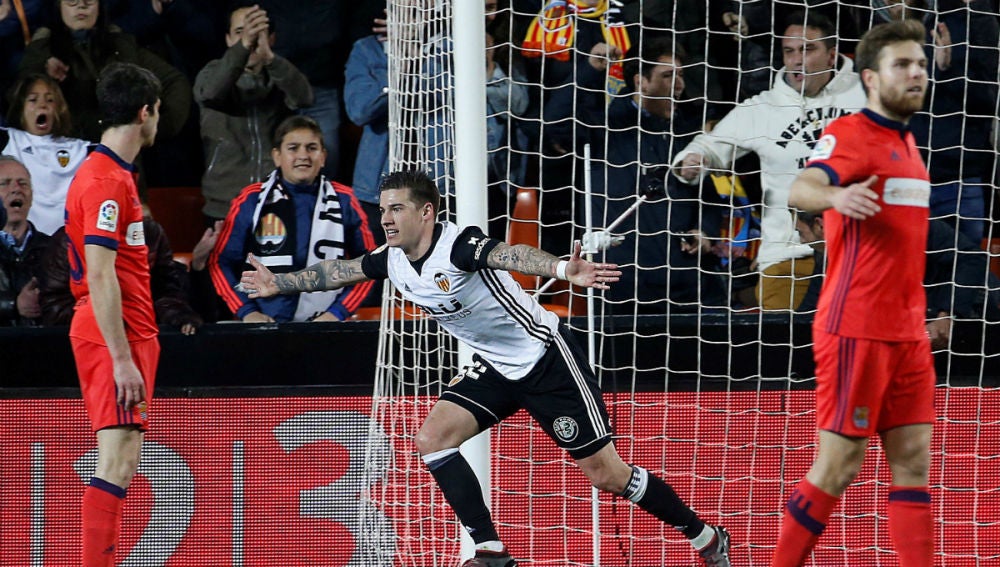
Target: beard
[902,105]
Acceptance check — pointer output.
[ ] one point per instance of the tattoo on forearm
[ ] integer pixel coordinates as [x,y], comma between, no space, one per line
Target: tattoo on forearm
[524,259]
[326,275]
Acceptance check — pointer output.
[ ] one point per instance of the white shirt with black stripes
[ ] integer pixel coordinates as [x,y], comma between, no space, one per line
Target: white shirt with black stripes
[482,307]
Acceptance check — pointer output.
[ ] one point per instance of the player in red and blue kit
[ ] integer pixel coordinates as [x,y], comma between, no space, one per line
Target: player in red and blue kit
[874,369]
[114,332]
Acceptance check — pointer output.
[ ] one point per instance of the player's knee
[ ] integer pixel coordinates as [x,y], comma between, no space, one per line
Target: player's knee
[911,468]
[118,469]
[609,483]
[429,441]
[835,475]
[609,478]
[424,443]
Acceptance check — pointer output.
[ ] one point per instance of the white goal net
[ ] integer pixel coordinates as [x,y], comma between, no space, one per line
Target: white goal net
[705,387]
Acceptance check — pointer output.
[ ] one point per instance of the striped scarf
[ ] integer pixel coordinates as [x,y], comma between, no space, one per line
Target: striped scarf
[551,33]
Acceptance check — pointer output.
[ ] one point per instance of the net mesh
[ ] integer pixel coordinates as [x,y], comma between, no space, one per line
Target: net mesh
[716,396]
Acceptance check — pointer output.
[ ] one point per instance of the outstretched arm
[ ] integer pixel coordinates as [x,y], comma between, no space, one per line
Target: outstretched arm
[326,275]
[532,261]
[811,191]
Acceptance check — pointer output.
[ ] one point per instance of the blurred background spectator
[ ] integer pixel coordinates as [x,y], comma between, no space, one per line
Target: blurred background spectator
[292,220]
[21,248]
[39,125]
[242,97]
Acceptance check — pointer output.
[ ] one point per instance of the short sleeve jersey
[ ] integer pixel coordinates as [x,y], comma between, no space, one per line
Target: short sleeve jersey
[103,209]
[480,306]
[875,267]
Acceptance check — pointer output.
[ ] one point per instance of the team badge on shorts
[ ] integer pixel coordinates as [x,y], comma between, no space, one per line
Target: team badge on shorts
[143,410]
[861,417]
[565,428]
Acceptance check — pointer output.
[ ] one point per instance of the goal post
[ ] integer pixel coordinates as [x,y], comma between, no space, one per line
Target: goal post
[715,398]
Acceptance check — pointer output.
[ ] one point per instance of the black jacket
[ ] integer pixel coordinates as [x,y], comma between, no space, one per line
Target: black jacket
[168,280]
[16,270]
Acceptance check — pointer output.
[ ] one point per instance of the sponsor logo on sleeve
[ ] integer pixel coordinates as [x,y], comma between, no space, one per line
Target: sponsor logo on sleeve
[907,192]
[824,147]
[107,216]
[135,235]
[479,247]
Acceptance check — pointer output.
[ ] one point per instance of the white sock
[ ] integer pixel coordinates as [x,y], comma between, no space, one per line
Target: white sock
[702,540]
[493,545]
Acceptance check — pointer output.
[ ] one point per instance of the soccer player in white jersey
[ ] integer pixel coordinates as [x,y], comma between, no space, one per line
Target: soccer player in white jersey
[524,357]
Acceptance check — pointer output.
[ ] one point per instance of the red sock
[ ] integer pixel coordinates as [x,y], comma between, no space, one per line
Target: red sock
[805,517]
[911,525]
[101,519]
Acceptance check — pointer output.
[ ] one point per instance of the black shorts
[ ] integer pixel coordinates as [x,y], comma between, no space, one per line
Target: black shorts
[560,393]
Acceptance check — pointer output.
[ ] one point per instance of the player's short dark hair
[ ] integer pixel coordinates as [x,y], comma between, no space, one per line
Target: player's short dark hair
[867,54]
[123,89]
[815,20]
[422,187]
[296,122]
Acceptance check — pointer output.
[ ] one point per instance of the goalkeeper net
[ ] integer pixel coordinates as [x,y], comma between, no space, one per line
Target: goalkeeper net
[704,388]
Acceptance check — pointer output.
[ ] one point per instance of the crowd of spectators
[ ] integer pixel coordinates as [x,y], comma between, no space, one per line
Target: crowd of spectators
[675,98]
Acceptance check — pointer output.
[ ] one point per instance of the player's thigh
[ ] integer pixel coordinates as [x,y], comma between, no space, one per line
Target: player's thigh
[852,376]
[448,425]
[97,382]
[562,395]
[483,392]
[909,399]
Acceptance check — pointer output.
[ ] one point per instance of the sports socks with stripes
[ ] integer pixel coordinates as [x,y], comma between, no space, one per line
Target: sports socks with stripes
[911,525]
[650,493]
[101,517]
[806,513]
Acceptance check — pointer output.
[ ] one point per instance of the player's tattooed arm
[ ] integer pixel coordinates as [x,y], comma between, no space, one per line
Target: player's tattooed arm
[523,258]
[326,275]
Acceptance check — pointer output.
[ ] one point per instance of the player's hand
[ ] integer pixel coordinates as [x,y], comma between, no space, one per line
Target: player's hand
[939,331]
[27,300]
[691,166]
[258,282]
[598,240]
[857,200]
[588,274]
[55,68]
[325,316]
[130,386]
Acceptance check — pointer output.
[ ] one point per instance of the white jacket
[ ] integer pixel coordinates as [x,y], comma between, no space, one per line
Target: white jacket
[780,126]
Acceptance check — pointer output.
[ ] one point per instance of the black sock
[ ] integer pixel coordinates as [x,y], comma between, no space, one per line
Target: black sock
[653,495]
[461,489]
